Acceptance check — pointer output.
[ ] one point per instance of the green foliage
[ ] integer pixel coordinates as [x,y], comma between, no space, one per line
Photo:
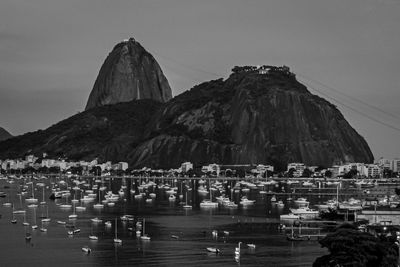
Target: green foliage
[350,247]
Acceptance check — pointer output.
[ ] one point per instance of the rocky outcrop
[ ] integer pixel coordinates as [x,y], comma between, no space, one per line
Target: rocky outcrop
[251,117]
[4,134]
[129,72]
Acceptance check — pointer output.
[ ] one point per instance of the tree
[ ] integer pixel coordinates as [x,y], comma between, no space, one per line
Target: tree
[307,173]
[290,172]
[350,174]
[350,247]
[328,173]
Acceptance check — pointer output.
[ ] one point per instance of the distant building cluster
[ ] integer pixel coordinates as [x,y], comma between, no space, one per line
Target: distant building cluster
[382,168]
[37,163]
[264,69]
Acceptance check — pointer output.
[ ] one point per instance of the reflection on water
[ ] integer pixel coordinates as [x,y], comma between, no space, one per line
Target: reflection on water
[179,236]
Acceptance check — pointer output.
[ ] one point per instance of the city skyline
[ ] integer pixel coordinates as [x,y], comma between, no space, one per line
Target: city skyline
[346,52]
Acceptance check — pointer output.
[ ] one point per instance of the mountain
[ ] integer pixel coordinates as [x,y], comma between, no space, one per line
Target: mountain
[257,115]
[129,72]
[4,134]
[109,132]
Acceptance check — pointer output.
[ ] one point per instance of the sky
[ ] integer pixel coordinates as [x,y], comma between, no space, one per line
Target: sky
[344,51]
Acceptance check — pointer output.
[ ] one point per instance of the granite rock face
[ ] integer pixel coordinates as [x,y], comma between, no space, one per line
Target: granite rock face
[252,117]
[128,73]
[4,134]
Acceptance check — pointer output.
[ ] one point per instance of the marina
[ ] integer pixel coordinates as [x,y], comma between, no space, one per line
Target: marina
[136,231]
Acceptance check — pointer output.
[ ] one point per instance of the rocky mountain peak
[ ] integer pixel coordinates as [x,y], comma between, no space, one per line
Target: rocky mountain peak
[4,134]
[129,73]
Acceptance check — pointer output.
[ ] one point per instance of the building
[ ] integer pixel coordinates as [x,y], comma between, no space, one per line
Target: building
[373,170]
[186,166]
[211,168]
[395,165]
[298,167]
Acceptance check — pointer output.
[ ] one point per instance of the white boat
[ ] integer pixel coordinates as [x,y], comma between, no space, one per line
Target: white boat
[305,213]
[213,250]
[87,250]
[251,246]
[80,208]
[32,199]
[301,202]
[289,216]
[61,222]
[116,239]
[93,237]
[280,204]
[96,220]
[206,203]
[144,236]
[244,201]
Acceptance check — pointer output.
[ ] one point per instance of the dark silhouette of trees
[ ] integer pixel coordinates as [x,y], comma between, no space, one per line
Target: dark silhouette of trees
[350,247]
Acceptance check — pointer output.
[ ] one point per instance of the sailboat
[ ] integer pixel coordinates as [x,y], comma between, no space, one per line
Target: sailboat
[28,235]
[13,220]
[187,206]
[32,199]
[116,239]
[144,236]
[46,219]
[20,211]
[208,203]
[92,236]
[75,200]
[43,202]
[25,223]
[73,216]
[42,228]
[98,205]
[34,226]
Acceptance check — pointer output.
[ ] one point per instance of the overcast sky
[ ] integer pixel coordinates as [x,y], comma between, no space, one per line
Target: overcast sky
[51,52]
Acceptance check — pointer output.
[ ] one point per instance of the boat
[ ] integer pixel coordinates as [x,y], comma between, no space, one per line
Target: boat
[289,216]
[92,236]
[305,213]
[61,222]
[301,202]
[245,201]
[13,220]
[32,199]
[144,236]
[43,202]
[73,216]
[116,239]
[251,246]
[108,224]
[187,206]
[280,204]
[42,228]
[46,219]
[96,220]
[87,250]
[213,250]
[34,226]
[273,198]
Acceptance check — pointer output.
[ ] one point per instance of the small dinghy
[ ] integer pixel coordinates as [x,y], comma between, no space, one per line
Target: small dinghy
[87,250]
[213,250]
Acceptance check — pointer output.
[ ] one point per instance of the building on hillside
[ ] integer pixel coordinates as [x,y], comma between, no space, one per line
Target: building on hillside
[211,168]
[395,165]
[374,171]
[186,166]
[298,167]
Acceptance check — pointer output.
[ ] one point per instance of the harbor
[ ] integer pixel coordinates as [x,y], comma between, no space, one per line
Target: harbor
[153,220]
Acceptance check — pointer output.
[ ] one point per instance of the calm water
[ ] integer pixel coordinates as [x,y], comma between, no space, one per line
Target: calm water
[256,224]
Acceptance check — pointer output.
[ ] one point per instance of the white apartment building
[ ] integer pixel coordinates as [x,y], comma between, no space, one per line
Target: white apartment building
[186,166]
